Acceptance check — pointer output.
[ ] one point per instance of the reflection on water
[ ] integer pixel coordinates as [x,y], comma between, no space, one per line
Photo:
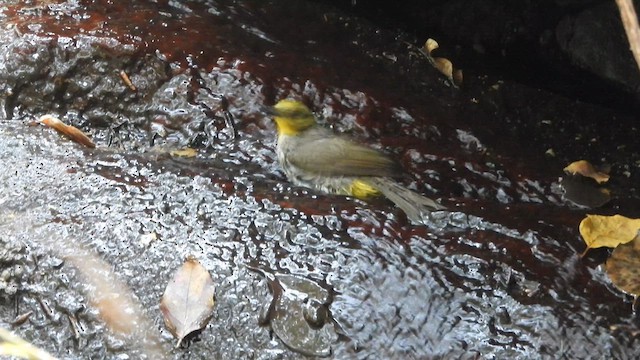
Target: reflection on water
[496,277]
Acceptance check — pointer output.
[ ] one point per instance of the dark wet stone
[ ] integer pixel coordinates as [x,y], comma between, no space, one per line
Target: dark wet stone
[573,47]
[300,317]
[584,192]
[595,40]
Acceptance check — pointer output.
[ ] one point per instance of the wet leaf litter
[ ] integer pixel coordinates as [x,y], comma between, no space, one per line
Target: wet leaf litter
[188,300]
[443,65]
[621,233]
[611,231]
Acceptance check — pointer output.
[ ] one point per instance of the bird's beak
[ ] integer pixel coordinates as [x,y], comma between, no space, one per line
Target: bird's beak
[269,110]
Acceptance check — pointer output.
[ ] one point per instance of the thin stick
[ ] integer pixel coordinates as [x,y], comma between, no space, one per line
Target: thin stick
[631,27]
[127,81]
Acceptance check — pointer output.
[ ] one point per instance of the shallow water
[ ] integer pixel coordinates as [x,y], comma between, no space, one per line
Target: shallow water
[499,276]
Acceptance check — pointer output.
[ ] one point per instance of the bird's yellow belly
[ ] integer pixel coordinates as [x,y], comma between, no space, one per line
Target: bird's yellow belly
[362,190]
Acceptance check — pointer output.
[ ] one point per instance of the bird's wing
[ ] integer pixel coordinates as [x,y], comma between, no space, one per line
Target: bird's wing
[336,156]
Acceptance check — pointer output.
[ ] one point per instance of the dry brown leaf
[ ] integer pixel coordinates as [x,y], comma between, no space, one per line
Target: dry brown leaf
[430,45]
[623,267]
[457,77]
[584,168]
[608,231]
[444,66]
[70,131]
[187,303]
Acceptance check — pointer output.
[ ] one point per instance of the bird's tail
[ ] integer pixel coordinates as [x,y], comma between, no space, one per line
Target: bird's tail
[412,203]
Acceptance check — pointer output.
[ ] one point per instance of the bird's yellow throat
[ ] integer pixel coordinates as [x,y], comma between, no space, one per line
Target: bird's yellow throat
[293,126]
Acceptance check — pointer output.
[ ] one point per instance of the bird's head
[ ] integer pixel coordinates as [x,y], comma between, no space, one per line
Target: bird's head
[292,117]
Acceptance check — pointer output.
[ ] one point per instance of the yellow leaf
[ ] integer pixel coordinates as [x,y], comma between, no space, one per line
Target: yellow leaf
[608,231]
[584,168]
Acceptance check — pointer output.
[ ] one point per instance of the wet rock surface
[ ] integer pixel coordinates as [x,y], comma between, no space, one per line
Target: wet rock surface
[600,49]
[574,47]
[498,276]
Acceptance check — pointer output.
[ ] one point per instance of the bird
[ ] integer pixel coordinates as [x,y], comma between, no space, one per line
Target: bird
[315,157]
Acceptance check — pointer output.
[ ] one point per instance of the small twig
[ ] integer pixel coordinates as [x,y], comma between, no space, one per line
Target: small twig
[127,81]
[631,27]
[75,326]
[21,319]
[45,308]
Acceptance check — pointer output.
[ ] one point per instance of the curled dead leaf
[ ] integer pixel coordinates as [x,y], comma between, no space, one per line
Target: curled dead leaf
[70,131]
[116,304]
[187,303]
[444,66]
[430,45]
[584,168]
[608,231]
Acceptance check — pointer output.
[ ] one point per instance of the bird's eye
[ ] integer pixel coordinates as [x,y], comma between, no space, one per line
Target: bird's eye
[294,114]
[300,114]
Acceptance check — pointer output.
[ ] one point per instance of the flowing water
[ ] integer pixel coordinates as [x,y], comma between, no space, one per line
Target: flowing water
[298,273]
